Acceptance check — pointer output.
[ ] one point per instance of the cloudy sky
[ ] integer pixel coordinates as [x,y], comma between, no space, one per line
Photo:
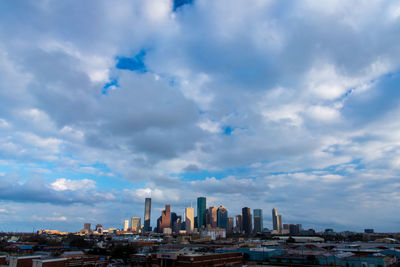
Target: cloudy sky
[285,104]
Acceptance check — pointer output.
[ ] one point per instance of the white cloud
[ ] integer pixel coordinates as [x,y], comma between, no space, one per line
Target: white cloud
[62,184]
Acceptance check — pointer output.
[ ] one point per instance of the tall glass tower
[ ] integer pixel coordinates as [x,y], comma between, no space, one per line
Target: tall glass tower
[246,220]
[201,212]
[258,220]
[223,217]
[147,214]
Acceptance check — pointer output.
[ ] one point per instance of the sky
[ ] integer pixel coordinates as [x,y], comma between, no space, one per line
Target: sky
[285,104]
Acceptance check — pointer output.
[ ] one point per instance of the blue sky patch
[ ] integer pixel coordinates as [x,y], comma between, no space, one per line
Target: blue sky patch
[180,3]
[135,63]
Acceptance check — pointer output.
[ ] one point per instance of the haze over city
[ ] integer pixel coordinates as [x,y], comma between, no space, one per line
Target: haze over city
[291,105]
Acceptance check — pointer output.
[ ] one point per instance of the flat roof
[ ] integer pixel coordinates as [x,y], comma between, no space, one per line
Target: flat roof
[51,260]
[26,257]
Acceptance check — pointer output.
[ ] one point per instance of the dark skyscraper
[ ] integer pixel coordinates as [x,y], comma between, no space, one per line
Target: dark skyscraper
[201,212]
[246,217]
[274,219]
[230,225]
[222,217]
[258,221]
[147,214]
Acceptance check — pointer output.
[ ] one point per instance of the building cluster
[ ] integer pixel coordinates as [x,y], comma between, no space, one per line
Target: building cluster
[212,221]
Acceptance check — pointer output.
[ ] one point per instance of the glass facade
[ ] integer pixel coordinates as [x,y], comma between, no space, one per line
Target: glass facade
[201,212]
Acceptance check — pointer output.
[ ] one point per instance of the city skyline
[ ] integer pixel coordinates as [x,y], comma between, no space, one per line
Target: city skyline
[264,105]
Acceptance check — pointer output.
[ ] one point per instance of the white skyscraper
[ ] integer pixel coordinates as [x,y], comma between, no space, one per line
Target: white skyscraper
[189,219]
[126,225]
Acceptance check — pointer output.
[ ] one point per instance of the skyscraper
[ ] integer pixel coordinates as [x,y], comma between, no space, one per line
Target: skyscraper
[126,225]
[222,217]
[274,219]
[230,225]
[189,219]
[246,220]
[279,223]
[135,224]
[258,221]
[147,214]
[174,217]
[201,212]
[176,224]
[213,216]
[165,219]
[239,221]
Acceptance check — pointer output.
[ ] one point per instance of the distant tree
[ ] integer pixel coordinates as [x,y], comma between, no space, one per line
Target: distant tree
[290,240]
[98,251]
[79,242]
[123,252]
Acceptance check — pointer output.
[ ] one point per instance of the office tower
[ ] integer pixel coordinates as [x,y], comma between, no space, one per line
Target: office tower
[86,227]
[258,221]
[230,225]
[165,220]
[99,228]
[246,220]
[177,224]
[222,217]
[174,217]
[135,224]
[158,225]
[126,225]
[213,216]
[294,229]
[189,219]
[279,223]
[239,221]
[147,214]
[201,212]
[274,219]
[196,222]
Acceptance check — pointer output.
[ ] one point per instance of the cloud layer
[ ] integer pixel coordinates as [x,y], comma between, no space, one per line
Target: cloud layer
[264,104]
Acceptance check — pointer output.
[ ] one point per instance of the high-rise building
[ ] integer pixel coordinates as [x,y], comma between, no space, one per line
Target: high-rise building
[246,220]
[239,223]
[279,223]
[196,223]
[87,227]
[147,214]
[212,213]
[177,224]
[222,217]
[135,224]
[201,212]
[258,220]
[189,219]
[230,225]
[99,228]
[174,217]
[274,219]
[126,225]
[165,219]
